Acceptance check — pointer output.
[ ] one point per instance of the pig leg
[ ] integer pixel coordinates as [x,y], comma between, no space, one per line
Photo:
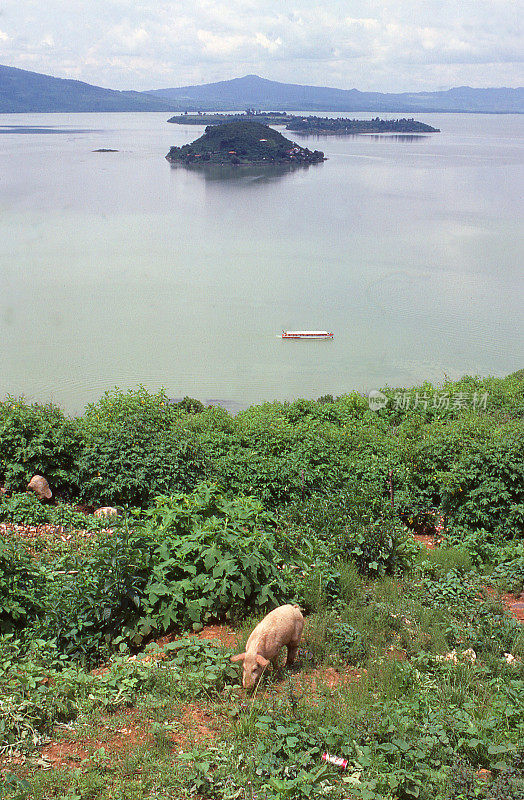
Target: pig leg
[292,650]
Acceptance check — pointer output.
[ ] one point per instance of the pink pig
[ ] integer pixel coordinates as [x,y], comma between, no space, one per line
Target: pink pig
[281,627]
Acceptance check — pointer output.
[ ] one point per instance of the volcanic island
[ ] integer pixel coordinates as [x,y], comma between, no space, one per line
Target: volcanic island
[242,143]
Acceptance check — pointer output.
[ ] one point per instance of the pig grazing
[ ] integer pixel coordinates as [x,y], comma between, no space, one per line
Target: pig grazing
[281,627]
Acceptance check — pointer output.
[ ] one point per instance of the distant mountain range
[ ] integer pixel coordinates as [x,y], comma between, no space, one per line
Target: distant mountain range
[265,95]
[23,91]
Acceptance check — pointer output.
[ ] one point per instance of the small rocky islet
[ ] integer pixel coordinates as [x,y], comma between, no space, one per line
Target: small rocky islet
[238,143]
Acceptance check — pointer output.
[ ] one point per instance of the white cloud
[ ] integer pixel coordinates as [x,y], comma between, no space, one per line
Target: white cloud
[388,45]
[128,37]
[47,41]
[272,45]
[219,45]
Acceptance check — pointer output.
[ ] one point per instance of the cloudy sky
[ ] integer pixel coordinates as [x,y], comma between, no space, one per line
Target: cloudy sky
[381,45]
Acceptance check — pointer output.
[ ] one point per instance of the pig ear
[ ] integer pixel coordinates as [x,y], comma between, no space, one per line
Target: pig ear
[240,657]
[262,661]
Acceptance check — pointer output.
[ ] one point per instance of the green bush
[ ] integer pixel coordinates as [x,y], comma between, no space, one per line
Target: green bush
[30,702]
[509,572]
[37,439]
[274,452]
[484,486]
[22,585]
[24,509]
[470,470]
[317,586]
[95,597]
[199,667]
[353,526]
[381,547]
[135,446]
[213,558]
[348,643]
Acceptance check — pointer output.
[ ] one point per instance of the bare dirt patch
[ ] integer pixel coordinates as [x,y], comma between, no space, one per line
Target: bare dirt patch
[198,724]
[222,634]
[515,605]
[115,737]
[119,736]
[428,540]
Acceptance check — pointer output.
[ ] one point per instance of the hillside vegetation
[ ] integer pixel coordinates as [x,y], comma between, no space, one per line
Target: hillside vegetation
[242,143]
[343,125]
[410,668]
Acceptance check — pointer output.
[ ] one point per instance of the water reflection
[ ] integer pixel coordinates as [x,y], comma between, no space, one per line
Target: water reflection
[44,129]
[262,173]
[397,137]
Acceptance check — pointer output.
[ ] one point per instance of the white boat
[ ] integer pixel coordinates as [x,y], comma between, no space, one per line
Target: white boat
[306,335]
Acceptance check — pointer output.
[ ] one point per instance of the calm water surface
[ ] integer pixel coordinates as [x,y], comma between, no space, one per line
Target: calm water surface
[117,269]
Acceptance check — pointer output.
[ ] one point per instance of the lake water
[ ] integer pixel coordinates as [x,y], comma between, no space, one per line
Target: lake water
[118,269]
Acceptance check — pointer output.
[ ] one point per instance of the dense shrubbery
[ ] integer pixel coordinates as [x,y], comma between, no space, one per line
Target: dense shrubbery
[331,534]
[135,446]
[509,571]
[463,462]
[196,557]
[37,439]
[353,525]
[22,583]
[213,558]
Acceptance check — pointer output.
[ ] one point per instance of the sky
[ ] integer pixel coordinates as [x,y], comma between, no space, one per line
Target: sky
[371,45]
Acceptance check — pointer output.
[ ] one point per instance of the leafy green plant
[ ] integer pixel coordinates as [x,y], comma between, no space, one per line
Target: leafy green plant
[348,643]
[37,439]
[509,572]
[199,668]
[135,446]
[24,509]
[327,639]
[213,558]
[380,547]
[97,595]
[22,585]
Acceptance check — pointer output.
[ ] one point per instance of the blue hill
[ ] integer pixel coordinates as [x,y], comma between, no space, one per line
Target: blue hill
[255,92]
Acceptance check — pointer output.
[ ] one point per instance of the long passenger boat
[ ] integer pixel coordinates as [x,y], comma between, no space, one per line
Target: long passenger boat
[306,335]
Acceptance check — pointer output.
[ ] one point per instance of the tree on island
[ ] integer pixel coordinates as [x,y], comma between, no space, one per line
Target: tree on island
[243,143]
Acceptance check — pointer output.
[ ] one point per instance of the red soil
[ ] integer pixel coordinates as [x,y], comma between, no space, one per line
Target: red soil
[222,634]
[515,605]
[195,723]
[427,540]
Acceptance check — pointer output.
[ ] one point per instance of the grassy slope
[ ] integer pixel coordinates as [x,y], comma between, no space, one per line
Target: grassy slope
[177,725]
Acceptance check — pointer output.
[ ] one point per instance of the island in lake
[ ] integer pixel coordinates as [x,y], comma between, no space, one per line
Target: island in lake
[327,125]
[264,117]
[243,143]
[318,125]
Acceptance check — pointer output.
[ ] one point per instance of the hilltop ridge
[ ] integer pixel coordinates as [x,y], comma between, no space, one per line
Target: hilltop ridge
[25,91]
[22,91]
[264,94]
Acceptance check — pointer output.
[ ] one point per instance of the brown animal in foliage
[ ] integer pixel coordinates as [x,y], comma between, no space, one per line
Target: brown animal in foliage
[40,487]
[281,627]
